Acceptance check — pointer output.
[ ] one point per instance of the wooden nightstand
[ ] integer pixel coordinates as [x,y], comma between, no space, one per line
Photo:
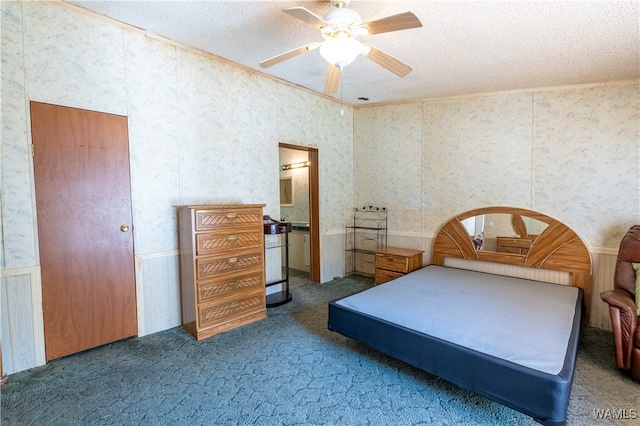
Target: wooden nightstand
[393,262]
[514,245]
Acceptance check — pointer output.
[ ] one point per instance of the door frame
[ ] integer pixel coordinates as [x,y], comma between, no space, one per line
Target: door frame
[314,207]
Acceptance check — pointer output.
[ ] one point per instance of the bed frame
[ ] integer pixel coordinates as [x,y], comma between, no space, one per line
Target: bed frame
[542,396]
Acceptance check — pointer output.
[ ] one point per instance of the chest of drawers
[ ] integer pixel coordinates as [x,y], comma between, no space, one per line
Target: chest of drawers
[392,262]
[221,267]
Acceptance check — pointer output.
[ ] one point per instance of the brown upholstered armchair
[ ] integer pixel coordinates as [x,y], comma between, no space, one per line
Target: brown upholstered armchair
[622,306]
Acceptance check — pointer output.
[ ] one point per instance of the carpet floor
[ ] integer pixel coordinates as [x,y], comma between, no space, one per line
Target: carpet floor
[285,370]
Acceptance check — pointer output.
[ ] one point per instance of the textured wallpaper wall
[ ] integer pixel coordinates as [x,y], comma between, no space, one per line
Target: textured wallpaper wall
[201,131]
[571,153]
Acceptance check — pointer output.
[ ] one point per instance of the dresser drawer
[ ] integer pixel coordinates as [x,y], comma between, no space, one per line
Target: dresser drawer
[221,287]
[383,275]
[212,242]
[392,262]
[210,266]
[230,309]
[207,220]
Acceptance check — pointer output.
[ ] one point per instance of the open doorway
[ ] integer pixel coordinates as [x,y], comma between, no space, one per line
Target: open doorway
[299,188]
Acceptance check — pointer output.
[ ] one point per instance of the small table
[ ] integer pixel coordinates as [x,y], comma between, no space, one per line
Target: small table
[274,227]
[393,262]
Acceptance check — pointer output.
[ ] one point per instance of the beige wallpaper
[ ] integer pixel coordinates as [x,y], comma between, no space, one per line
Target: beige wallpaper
[571,153]
[388,170]
[586,166]
[201,131]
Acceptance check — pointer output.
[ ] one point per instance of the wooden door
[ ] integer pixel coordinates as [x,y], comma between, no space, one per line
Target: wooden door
[83,203]
[314,215]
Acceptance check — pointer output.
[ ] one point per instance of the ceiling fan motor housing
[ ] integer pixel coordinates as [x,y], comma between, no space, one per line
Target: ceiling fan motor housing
[342,23]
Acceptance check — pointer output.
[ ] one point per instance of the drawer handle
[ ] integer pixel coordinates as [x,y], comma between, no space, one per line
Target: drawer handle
[234,304]
[231,215]
[233,281]
[232,237]
[233,260]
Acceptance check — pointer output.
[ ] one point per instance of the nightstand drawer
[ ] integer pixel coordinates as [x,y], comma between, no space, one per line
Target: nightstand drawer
[506,249]
[515,242]
[382,276]
[392,263]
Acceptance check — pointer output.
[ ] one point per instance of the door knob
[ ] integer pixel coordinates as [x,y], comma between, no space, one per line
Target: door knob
[124,228]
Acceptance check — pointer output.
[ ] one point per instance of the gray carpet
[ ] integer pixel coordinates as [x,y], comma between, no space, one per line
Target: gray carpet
[285,370]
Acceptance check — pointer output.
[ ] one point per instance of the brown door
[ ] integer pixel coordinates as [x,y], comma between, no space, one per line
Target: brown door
[83,202]
[314,215]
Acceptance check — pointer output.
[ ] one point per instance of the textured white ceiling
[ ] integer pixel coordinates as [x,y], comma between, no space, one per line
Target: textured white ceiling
[463,47]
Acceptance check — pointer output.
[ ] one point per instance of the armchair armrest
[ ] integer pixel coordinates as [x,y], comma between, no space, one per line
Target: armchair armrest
[624,321]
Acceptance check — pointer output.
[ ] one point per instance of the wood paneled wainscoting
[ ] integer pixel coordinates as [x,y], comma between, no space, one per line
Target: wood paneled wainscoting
[3,377]
[158,291]
[22,320]
[159,301]
[158,307]
[603,262]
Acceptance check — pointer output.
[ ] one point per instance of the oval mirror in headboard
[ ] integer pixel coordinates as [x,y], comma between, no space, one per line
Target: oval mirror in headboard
[516,236]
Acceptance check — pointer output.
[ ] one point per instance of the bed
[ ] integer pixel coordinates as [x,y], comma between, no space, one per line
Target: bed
[513,340]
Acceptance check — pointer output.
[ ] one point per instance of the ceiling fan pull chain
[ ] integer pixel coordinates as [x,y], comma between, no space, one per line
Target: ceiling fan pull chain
[341,102]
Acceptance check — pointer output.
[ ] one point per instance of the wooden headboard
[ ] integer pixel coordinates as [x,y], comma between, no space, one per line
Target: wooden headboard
[556,247]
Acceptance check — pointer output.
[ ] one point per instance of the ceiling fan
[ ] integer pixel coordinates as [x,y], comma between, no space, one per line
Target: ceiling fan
[340,29]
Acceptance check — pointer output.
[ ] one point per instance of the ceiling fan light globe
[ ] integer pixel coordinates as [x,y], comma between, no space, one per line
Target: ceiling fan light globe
[340,51]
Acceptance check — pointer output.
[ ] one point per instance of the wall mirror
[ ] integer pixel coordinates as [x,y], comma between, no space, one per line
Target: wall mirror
[503,232]
[286,191]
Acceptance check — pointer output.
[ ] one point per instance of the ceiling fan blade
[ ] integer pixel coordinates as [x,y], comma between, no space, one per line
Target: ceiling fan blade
[401,21]
[394,65]
[288,55]
[306,16]
[333,79]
